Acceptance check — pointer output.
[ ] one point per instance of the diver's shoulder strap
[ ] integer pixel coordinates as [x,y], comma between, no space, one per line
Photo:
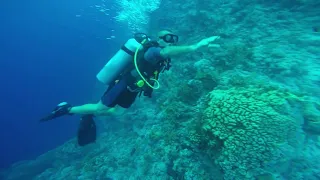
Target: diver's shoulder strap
[128,51]
[140,37]
[146,45]
[150,44]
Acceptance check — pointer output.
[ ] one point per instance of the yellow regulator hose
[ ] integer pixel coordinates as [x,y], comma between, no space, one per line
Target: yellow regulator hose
[136,66]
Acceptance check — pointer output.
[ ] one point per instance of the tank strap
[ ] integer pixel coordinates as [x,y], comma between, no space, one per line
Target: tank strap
[128,51]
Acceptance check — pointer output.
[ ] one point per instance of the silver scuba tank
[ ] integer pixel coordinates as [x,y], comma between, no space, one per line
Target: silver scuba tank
[117,64]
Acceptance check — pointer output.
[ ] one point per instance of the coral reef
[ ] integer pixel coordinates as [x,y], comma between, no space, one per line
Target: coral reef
[251,127]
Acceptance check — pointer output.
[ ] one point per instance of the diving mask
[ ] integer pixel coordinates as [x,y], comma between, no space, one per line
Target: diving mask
[170,38]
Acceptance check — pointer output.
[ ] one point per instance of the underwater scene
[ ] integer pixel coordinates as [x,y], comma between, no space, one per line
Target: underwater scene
[161,90]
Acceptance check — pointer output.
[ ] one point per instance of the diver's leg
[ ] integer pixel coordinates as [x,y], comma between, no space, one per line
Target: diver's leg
[84,109]
[109,99]
[97,109]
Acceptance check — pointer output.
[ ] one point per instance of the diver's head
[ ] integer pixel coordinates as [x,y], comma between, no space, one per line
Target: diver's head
[167,38]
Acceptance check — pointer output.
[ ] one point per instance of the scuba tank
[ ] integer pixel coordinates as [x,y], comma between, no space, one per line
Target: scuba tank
[121,60]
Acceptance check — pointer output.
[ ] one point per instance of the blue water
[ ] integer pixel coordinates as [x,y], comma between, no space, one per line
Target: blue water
[48,54]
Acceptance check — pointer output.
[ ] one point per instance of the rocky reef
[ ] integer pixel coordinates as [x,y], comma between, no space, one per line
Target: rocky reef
[248,109]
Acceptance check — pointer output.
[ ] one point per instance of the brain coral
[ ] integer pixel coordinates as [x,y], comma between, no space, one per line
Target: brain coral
[251,127]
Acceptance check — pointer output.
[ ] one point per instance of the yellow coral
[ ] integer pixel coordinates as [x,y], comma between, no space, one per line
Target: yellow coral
[251,126]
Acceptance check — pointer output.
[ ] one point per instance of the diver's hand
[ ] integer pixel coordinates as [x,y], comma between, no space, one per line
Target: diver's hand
[206,42]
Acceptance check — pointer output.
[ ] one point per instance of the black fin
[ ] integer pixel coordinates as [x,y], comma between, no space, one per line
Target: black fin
[47,118]
[87,131]
[60,110]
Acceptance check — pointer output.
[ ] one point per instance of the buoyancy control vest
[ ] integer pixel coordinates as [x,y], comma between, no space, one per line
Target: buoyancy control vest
[130,59]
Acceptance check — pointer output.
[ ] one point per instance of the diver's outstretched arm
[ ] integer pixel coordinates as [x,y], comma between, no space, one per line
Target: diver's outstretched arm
[171,51]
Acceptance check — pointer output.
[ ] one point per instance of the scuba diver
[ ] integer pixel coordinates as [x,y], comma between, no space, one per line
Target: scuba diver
[133,70]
